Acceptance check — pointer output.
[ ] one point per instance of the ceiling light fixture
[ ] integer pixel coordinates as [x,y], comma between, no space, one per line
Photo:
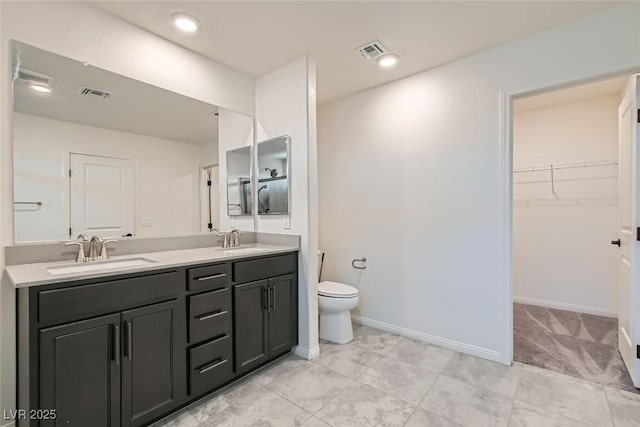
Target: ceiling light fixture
[388,61]
[185,23]
[40,88]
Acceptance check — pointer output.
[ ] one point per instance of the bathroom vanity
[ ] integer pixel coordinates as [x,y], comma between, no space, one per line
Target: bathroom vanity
[128,348]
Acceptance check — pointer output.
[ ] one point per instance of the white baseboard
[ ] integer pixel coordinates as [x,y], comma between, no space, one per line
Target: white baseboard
[306,353]
[564,306]
[473,350]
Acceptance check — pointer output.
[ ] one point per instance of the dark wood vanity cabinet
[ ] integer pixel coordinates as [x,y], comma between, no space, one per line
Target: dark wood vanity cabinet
[265,311]
[114,355]
[92,371]
[80,373]
[251,325]
[128,350]
[153,362]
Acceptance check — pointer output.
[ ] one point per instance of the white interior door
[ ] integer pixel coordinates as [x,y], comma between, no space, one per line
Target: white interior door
[101,196]
[628,284]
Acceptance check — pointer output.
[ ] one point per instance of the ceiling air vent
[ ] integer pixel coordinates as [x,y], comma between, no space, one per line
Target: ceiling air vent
[372,50]
[96,93]
[33,77]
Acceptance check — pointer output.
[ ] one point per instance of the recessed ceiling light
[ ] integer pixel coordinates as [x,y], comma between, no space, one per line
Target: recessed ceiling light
[387,61]
[40,88]
[185,23]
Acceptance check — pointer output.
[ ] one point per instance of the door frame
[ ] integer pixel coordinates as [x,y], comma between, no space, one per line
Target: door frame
[505,181]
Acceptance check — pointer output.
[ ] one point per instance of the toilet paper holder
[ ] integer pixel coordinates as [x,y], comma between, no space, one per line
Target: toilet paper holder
[359,260]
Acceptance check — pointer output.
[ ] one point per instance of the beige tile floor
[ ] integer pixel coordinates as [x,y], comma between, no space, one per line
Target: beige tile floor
[382,379]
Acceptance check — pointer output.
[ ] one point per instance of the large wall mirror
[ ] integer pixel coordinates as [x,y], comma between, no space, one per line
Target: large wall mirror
[99,153]
[273,194]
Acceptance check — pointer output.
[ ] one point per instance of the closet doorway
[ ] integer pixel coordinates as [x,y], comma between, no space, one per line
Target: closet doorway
[566,225]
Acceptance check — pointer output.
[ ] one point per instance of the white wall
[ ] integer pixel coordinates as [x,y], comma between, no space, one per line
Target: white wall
[83,33]
[561,252]
[285,105]
[415,176]
[166,176]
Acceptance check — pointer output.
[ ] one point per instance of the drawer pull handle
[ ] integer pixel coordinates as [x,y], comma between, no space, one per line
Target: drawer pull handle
[215,364]
[212,315]
[214,276]
[129,331]
[116,344]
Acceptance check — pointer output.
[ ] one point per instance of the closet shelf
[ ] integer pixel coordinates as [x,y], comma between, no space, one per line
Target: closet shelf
[566,166]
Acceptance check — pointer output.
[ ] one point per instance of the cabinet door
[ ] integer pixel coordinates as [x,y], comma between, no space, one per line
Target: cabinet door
[80,373]
[282,300]
[250,319]
[153,367]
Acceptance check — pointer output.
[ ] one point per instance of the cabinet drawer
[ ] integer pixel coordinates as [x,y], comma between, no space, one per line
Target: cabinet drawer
[209,315]
[211,365]
[262,268]
[100,298]
[212,276]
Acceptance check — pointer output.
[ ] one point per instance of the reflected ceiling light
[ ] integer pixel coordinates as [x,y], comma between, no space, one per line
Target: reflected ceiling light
[387,61]
[40,88]
[185,23]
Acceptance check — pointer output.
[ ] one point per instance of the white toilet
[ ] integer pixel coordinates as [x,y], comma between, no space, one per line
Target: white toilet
[335,300]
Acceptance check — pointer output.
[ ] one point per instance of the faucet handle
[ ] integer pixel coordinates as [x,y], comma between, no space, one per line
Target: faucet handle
[81,257]
[225,243]
[103,250]
[82,237]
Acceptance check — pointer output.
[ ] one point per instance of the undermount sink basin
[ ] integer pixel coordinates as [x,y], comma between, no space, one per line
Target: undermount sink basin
[242,251]
[97,266]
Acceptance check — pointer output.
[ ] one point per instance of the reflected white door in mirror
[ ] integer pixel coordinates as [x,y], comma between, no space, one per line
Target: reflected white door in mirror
[101,196]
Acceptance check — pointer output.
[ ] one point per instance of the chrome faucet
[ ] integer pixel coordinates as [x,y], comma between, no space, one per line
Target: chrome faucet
[95,248]
[234,238]
[81,257]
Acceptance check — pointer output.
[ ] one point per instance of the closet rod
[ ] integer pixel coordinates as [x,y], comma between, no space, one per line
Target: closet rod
[567,166]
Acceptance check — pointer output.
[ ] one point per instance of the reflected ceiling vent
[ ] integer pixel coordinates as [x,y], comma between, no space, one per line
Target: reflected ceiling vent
[372,50]
[94,93]
[33,77]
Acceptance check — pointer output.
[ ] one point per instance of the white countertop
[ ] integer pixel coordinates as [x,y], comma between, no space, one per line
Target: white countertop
[27,275]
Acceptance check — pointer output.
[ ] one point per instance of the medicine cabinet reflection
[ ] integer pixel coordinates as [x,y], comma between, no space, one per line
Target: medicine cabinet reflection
[273,196]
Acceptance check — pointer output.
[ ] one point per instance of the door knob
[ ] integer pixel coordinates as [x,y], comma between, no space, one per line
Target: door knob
[616,242]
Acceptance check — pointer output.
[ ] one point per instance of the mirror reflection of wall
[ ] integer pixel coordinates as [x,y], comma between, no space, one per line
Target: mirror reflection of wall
[273,176]
[239,194]
[100,153]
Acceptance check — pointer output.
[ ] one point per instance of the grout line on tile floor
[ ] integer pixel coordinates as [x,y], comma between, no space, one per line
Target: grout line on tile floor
[515,393]
[606,396]
[315,414]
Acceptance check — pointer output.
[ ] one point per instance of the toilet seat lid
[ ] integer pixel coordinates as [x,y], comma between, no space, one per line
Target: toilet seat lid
[336,290]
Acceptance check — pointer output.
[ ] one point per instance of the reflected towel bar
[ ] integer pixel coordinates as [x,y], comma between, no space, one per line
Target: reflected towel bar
[28,203]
